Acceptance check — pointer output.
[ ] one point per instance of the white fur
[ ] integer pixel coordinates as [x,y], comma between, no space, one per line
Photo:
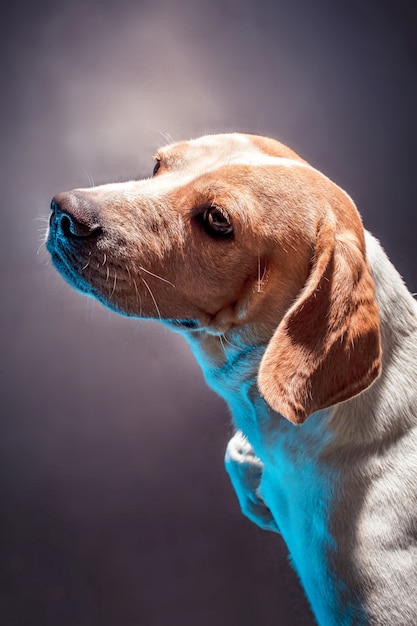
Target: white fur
[342,488]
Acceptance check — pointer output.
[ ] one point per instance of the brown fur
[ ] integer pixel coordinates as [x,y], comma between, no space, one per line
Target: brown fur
[295,275]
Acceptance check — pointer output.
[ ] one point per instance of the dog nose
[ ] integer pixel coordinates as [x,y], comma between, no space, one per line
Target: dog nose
[74,214]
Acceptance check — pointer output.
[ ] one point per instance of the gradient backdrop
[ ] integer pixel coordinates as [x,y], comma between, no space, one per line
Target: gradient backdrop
[115,509]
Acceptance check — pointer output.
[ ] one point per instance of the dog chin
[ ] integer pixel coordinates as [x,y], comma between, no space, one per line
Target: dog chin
[186,324]
[79,284]
[70,275]
[217,330]
[194,325]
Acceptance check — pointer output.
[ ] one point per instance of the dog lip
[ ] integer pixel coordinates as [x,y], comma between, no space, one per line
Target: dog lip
[68,272]
[188,324]
[66,268]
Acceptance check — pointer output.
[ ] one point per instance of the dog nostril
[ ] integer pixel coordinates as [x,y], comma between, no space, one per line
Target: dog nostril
[73,215]
[72,228]
[66,226]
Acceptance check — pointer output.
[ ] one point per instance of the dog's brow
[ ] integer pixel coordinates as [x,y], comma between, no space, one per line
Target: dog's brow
[249,156]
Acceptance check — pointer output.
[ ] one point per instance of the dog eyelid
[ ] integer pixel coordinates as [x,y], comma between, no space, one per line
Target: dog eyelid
[217,223]
[158,161]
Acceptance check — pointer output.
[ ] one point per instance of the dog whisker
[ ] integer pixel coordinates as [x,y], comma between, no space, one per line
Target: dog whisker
[170,141]
[138,298]
[156,276]
[89,177]
[85,266]
[41,248]
[260,276]
[42,230]
[264,272]
[230,343]
[114,285]
[129,274]
[152,296]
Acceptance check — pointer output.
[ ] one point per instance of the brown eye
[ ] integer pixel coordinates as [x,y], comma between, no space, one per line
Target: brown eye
[216,223]
[156,166]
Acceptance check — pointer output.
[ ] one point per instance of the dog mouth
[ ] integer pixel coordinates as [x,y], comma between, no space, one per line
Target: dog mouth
[77,260]
[116,285]
[119,287]
[66,268]
[188,324]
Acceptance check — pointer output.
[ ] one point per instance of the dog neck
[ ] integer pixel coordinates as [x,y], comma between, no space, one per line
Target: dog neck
[230,363]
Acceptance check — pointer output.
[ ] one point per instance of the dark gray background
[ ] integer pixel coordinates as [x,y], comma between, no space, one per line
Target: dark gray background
[115,509]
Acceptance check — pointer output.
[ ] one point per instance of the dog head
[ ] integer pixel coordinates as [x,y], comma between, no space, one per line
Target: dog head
[235,234]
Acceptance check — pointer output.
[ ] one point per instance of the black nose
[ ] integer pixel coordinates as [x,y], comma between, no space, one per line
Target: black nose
[75,215]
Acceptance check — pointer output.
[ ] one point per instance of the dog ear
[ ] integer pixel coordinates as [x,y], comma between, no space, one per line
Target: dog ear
[327,347]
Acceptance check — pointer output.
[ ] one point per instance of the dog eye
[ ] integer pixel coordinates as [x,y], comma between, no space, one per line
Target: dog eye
[156,166]
[216,223]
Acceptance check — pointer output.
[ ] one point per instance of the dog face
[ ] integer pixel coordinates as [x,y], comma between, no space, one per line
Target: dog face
[234,234]
[202,224]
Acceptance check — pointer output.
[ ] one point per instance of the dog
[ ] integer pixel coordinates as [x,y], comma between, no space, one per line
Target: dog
[302,324]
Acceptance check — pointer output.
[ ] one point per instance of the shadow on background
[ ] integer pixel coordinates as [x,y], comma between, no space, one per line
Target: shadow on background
[115,509]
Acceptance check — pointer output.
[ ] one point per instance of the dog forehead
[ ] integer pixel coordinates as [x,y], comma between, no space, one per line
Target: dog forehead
[197,166]
[196,161]
[210,152]
[223,146]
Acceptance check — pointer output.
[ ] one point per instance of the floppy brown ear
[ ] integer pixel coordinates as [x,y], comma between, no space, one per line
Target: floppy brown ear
[327,347]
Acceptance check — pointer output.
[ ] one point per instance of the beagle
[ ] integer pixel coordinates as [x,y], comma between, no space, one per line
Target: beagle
[302,324]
